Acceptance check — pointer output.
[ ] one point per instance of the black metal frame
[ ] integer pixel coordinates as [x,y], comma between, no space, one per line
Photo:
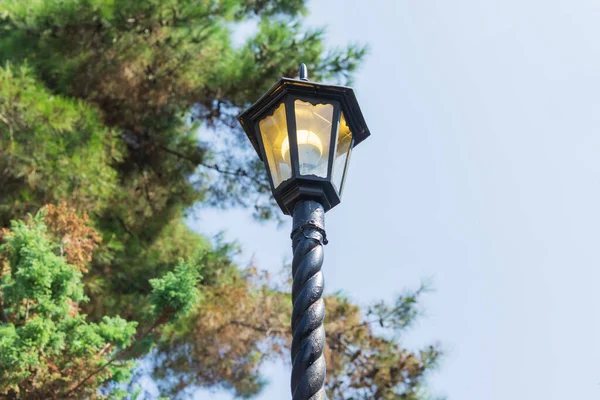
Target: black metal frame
[305,187]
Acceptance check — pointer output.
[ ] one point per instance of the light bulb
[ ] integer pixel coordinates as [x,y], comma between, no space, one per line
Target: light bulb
[310,148]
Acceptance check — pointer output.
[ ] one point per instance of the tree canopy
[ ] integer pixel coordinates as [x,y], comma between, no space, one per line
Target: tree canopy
[116,118]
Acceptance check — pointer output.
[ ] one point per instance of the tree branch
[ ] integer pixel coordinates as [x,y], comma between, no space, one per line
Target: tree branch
[239,173]
[10,127]
[159,321]
[26,312]
[257,328]
[3,316]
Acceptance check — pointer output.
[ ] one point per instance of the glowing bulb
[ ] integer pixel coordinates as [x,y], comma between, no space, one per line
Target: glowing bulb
[309,147]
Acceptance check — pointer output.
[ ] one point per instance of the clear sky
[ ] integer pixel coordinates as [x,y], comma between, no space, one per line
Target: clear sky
[482,173]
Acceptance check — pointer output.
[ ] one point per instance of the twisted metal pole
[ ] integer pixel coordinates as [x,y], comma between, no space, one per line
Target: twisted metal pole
[308,343]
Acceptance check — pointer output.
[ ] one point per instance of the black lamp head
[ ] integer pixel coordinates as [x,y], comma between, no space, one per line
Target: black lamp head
[304,132]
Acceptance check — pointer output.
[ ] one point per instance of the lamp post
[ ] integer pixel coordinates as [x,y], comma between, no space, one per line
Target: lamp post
[304,132]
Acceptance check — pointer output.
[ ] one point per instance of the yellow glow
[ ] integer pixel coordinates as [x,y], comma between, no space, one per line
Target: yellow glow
[342,153]
[313,127]
[308,142]
[273,130]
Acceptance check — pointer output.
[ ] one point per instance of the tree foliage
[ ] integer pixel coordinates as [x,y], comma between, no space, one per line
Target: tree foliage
[48,349]
[117,118]
[46,345]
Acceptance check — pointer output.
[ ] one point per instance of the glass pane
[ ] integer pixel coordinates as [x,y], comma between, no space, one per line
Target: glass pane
[342,154]
[313,130]
[273,130]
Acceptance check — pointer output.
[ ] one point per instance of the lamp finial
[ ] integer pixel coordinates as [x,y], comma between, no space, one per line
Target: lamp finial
[303,75]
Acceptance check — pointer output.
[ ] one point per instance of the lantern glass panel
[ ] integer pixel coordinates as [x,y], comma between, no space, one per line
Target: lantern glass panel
[313,133]
[342,154]
[273,130]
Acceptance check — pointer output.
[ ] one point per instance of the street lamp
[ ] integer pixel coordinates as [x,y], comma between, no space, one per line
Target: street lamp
[304,132]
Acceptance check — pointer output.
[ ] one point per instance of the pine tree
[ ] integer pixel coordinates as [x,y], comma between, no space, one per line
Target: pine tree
[48,349]
[125,111]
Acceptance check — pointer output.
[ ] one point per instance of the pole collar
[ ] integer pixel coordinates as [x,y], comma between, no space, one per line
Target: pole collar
[309,215]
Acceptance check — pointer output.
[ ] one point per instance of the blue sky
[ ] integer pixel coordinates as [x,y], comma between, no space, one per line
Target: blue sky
[482,173]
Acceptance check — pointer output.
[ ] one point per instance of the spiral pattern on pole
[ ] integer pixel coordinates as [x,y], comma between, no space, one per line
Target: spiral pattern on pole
[308,343]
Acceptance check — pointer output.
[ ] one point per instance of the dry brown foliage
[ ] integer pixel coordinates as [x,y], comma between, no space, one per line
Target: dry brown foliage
[77,238]
[245,321]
